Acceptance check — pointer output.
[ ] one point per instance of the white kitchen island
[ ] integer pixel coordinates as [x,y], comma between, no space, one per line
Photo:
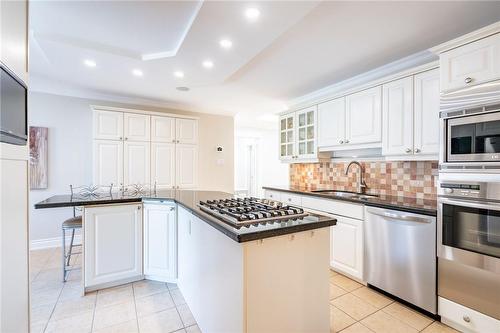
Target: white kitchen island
[270,277]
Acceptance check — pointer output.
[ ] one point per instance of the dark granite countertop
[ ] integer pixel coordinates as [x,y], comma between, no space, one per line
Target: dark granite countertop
[426,206]
[189,200]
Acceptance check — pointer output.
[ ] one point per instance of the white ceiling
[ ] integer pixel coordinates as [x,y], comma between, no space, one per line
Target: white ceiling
[293,48]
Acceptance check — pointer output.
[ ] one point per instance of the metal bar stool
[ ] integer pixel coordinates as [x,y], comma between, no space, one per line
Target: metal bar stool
[72,224]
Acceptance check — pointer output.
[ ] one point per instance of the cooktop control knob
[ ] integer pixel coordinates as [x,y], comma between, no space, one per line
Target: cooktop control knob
[448,190]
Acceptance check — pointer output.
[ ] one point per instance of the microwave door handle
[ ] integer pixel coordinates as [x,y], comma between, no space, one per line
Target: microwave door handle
[398,216]
[471,204]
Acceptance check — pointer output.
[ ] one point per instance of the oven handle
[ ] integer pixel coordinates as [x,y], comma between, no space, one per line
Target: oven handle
[472,204]
[397,216]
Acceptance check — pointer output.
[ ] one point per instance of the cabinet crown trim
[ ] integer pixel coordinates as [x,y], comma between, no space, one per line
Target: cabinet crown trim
[487,31]
[144,112]
[414,64]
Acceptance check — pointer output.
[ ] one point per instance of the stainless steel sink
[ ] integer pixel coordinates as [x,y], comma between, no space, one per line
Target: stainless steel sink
[345,194]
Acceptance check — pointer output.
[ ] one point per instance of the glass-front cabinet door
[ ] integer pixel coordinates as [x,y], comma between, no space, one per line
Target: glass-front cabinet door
[287,136]
[306,133]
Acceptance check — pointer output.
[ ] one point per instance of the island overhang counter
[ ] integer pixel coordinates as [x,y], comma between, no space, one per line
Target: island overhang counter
[272,277]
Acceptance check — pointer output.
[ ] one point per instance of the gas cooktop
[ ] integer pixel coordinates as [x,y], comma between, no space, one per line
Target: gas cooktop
[250,211]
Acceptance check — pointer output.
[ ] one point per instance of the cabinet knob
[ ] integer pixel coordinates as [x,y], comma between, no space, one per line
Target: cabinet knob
[290,199]
[468,80]
[417,150]
[138,207]
[341,142]
[173,141]
[408,150]
[346,141]
[126,138]
[121,138]
[466,319]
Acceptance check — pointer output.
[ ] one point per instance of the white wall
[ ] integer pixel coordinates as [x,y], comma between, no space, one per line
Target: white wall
[270,170]
[69,120]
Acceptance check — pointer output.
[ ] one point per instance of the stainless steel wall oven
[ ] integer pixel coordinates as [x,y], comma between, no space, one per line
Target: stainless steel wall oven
[468,234]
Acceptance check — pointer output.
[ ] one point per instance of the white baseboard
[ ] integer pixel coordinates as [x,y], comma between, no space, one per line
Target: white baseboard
[38,244]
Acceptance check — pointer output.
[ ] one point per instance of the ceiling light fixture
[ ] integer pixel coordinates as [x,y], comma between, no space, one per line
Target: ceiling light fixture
[179,74]
[208,64]
[137,72]
[89,63]
[225,43]
[252,14]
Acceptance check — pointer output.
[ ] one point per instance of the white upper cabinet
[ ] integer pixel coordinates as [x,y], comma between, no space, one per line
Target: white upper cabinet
[108,162]
[163,165]
[136,162]
[470,64]
[108,125]
[136,127]
[162,129]
[411,116]
[113,245]
[160,242]
[287,136]
[306,133]
[364,116]
[186,131]
[426,113]
[398,117]
[186,166]
[331,123]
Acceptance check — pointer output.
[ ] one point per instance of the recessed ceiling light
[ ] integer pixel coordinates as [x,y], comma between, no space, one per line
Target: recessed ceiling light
[225,43]
[137,72]
[179,74]
[89,63]
[208,64]
[252,14]
[182,88]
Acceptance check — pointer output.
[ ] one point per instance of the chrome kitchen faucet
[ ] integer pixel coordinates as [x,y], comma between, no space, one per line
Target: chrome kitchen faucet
[361,185]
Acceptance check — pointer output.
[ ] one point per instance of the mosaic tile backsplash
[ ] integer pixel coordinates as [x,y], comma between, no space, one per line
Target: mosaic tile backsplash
[412,179]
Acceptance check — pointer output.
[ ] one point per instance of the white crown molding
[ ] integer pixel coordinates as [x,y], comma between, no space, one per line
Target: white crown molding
[468,38]
[416,63]
[137,111]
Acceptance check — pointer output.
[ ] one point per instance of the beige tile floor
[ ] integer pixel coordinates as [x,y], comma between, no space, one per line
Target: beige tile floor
[150,307]
[143,306]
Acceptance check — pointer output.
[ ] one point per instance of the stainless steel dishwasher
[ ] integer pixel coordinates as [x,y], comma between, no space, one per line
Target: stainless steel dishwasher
[400,255]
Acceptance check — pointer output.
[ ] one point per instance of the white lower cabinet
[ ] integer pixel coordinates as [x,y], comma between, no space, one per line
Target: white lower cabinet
[346,237]
[160,241]
[347,246]
[113,245]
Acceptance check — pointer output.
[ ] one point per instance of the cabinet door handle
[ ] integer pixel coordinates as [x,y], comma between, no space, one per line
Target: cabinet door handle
[408,150]
[468,80]
[173,141]
[341,142]
[121,138]
[417,150]
[346,141]
[138,207]
[466,319]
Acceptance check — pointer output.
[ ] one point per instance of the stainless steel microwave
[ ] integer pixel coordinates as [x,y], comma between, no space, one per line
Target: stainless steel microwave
[13,108]
[473,136]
